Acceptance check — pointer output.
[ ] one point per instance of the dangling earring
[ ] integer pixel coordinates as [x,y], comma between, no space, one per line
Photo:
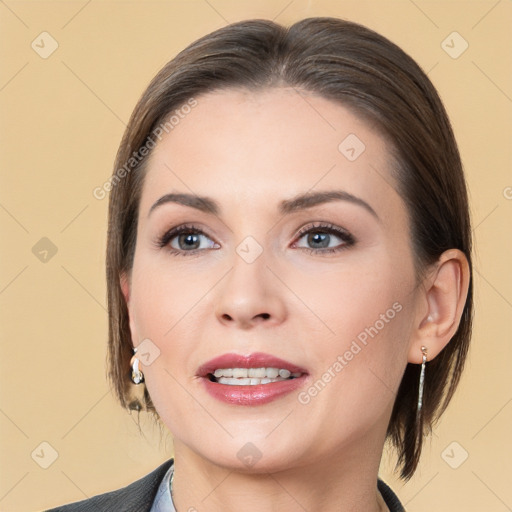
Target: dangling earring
[137,375]
[422,380]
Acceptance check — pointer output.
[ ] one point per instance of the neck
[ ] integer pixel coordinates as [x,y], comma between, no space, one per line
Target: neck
[343,482]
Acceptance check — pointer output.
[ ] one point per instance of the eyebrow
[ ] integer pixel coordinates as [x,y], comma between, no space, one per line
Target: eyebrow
[287,206]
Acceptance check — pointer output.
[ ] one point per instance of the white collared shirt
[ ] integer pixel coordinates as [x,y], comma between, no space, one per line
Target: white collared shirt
[163,500]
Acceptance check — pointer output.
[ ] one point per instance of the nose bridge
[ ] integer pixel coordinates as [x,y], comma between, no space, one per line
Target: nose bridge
[249,294]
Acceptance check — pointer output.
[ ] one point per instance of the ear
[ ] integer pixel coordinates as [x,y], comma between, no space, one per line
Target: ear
[445,291]
[125,284]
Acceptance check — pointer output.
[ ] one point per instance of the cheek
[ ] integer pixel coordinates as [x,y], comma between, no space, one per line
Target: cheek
[163,298]
[360,369]
[162,306]
[349,300]
[367,309]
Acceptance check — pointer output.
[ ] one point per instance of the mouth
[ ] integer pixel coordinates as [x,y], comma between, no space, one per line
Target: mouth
[250,380]
[251,376]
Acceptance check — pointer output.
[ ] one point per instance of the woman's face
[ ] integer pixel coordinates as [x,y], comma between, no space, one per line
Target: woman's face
[327,286]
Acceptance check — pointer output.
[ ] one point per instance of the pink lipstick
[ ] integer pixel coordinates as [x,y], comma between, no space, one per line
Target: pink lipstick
[255,379]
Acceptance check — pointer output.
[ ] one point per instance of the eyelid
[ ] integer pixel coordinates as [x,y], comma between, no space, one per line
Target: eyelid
[326,227]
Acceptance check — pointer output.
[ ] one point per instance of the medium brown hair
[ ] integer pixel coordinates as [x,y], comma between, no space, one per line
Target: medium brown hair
[349,64]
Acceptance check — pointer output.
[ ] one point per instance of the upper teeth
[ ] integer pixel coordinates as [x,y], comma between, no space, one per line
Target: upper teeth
[257,373]
[252,376]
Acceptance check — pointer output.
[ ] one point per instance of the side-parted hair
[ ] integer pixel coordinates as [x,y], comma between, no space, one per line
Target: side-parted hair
[360,69]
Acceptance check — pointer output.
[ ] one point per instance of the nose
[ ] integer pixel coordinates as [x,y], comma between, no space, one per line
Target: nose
[250,295]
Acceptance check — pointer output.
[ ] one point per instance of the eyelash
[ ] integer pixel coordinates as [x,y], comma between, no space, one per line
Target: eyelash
[320,227]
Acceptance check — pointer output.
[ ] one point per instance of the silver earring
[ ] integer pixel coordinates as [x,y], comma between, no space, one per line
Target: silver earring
[422,379]
[137,375]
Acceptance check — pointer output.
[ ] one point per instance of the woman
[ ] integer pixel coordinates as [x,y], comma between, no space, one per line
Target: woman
[288,268]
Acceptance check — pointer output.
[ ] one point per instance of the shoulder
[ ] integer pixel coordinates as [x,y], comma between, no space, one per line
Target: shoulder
[136,497]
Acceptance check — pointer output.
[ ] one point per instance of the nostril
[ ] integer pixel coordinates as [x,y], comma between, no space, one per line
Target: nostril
[229,318]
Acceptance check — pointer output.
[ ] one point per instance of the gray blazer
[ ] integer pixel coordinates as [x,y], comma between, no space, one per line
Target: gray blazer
[139,496]
[136,497]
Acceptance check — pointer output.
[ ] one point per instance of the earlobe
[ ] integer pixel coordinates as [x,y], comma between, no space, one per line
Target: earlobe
[445,290]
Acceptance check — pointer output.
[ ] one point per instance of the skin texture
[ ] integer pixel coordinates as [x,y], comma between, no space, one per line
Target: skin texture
[249,151]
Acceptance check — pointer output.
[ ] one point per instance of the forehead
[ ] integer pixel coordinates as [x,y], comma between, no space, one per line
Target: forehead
[250,146]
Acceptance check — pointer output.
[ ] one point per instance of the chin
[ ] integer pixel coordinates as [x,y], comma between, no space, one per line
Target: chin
[255,455]
[251,461]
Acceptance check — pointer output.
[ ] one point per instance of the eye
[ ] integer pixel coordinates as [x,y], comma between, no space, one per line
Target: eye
[186,239]
[324,238]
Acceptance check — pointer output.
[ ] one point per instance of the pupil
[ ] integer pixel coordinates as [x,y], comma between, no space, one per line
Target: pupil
[189,240]
[321,239]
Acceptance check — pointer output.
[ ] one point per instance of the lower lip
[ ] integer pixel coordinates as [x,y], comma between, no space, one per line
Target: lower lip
[258,394]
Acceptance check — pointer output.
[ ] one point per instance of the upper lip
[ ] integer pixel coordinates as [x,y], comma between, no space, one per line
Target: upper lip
[254,360]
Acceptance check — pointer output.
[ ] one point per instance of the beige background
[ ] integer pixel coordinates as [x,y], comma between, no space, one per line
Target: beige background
[62,118]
